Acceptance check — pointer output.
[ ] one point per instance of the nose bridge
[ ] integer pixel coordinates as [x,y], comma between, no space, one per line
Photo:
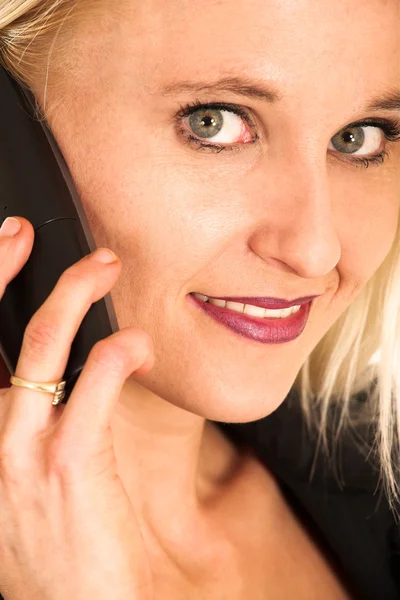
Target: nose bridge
[299,230]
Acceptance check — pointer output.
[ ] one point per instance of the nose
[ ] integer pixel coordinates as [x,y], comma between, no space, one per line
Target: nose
[295,225]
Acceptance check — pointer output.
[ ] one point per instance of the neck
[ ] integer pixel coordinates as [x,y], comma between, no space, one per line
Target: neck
[168,459]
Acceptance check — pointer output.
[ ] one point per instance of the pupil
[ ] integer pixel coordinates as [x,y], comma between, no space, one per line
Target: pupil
[208,121]
[349,137]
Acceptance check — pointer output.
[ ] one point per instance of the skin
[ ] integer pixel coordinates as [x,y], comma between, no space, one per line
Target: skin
[285,216]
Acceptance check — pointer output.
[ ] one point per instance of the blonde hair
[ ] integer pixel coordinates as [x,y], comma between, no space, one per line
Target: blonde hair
[341,365]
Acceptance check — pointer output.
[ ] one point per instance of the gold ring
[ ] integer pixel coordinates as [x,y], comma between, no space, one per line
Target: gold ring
[55,388]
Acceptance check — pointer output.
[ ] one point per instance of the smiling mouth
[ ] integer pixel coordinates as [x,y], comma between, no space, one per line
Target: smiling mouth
[250,310]
[264,328]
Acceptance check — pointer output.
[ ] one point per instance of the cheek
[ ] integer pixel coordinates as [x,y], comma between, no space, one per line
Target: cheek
[162,217]
[368,227]
[172,219]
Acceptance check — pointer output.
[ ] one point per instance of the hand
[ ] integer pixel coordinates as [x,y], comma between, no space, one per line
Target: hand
[67,527]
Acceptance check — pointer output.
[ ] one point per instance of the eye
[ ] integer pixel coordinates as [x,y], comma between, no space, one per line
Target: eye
[216,126]
[351,139]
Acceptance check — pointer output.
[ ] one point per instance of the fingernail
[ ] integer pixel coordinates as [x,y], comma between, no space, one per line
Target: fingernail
[104,255]
[10,227]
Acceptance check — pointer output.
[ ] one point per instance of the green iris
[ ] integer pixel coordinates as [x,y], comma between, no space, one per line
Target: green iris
[206,122]
[349,140]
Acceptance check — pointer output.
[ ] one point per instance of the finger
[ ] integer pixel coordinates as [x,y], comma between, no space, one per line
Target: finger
[14,252]
[85,422]
[15,248]
[48,338]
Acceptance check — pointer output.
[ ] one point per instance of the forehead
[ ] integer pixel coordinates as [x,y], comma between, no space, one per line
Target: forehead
[297,30]
[303,46]
[326,58]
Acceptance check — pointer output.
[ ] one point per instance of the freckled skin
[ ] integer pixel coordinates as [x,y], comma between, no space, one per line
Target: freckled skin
[281,217]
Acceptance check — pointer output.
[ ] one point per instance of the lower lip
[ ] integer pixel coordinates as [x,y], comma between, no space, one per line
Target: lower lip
[264,330]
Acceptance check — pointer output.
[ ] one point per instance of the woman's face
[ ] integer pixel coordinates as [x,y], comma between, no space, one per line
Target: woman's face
[279,212]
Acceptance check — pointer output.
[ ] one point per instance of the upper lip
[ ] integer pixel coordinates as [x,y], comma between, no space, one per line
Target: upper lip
[266,302]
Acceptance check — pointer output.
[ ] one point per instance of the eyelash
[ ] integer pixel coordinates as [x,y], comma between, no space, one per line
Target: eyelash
[193,107]
[390,128]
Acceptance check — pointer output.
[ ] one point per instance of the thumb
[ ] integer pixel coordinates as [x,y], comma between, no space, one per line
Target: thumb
[84,424]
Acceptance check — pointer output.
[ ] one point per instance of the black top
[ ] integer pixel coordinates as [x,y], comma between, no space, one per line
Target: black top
[344,508]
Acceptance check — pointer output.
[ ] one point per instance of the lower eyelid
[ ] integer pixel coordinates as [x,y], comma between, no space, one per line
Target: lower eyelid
[375,160]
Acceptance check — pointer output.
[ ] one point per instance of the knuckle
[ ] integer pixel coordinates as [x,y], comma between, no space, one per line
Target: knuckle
[65,458]
[74,276]
[6,457]
[12,463]
[60,461]
[108,354]
[77,284]
[40,334]
[139,344]
[143,339]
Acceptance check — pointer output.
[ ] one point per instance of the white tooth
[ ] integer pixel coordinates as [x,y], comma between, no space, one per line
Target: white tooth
[249,309]
[284,312]
[254,311]
[236,306]
[217,302]
[201,297]
[269,312]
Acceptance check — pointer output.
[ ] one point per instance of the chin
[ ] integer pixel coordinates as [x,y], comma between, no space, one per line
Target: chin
[217,401]
[243,409]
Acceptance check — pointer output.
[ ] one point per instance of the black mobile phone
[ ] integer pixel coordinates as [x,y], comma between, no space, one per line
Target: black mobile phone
[35,183]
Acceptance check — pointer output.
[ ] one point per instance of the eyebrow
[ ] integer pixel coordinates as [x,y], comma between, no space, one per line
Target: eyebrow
[252,88]
[260,90]
[389,101]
